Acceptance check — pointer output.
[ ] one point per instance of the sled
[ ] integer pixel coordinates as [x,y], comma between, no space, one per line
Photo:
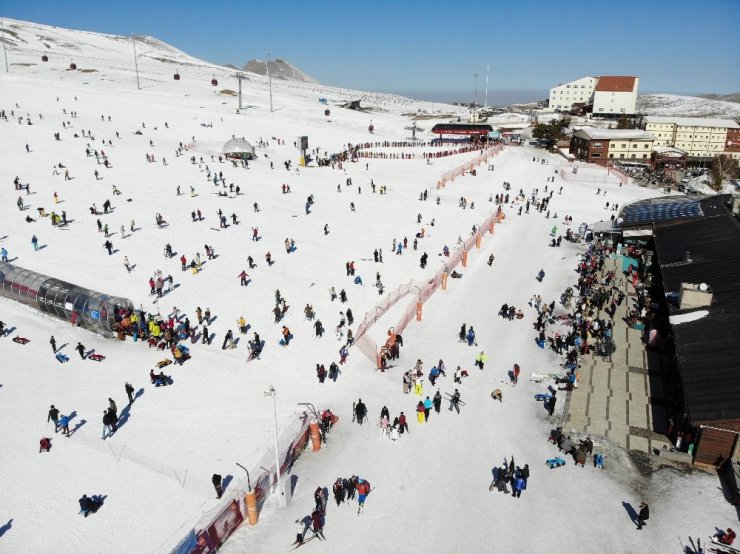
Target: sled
[542,396]
[163,363]
[163,383]
[21,340]
[599,461]
[61,357]
[96,357]
[555,462]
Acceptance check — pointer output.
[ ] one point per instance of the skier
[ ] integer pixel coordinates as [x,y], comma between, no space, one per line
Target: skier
[360,411]
[217,484]
[455,401]
[300,529]
[318,527]
[363,489]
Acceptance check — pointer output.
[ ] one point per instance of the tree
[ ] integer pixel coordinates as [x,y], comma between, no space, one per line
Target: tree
[551,132]
[625,123]
[722,166]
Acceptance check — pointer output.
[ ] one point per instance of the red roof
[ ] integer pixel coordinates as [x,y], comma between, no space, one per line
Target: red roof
[615,84]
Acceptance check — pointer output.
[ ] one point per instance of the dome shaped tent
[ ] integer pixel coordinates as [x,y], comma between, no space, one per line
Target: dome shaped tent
[238,148]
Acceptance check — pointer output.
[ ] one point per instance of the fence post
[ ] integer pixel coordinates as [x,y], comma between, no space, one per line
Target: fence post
[477,240]
[490,226]
[253,515]
[444,280]
[465,258]
[315,436]
[418,311]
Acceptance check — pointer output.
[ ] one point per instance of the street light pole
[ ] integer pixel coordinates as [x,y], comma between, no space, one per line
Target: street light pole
[278,489]
[136,64]
[269,77]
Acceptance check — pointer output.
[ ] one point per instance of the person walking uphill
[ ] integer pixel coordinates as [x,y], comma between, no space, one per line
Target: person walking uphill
[455,401]
[360,411]
[217,485]
[130,393]
[53,343]
[81,350]
[53,416]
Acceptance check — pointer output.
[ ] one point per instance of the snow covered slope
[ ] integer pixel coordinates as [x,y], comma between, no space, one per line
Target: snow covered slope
[280,69]
[431,488]
[688,106]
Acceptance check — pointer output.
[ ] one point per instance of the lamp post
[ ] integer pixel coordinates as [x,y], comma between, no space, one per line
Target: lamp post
[278,488]
[475,102]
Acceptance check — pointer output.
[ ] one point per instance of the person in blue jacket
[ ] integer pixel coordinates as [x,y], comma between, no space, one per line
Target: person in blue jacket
[471,336]
[518,486]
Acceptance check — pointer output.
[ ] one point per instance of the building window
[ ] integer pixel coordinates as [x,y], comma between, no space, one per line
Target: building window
[621,155]
[596,154]
[646,146]
[611,155]
[634,156]
[644,155]
[597,145]
[624,146]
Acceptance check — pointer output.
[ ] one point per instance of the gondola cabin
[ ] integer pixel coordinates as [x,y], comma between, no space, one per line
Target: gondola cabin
[44,58]
[177,76]
[73,65]
[214,82]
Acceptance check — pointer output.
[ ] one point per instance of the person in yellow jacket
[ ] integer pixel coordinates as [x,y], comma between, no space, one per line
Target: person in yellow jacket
[480,359]
[242,325]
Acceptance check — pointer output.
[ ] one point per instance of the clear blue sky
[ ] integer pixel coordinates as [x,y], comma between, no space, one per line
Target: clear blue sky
[430,47]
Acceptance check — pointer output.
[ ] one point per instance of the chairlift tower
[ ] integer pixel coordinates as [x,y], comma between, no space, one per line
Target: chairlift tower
[240,77]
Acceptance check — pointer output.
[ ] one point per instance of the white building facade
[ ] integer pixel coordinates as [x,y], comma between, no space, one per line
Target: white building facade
[581,91]
[700,137]
[615,96]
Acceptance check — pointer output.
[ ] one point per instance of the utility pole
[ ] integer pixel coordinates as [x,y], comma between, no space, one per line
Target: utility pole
[136,63]
[476,88]
[5,52]
[269,77]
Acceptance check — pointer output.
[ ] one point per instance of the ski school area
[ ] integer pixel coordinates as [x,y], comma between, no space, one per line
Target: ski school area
[194,434]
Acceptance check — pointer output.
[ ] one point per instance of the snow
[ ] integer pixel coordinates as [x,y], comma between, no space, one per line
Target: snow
[431,487]
[688,317]
[689,106]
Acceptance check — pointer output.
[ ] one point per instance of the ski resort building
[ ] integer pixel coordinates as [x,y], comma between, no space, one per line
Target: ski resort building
[580,91]
[601,146]
[615,96]
[701,138]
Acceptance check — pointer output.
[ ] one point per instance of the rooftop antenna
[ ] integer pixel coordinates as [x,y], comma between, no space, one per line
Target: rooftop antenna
[488,67]
[269,77]
[5,52]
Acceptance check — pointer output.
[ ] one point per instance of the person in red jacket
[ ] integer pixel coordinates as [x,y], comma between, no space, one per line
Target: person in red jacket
[403,426]
[363,489]
[184,262]
[728,537]
[318,526]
